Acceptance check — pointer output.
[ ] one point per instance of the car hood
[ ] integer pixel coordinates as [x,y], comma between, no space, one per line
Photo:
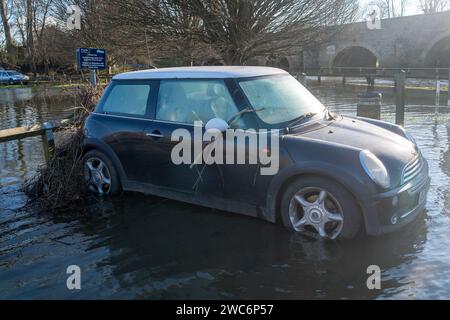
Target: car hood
[392,149]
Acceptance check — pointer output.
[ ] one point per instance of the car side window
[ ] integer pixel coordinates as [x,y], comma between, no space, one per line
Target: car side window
[129,99]
[186,101]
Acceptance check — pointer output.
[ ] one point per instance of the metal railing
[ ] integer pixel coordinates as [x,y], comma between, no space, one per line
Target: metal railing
[423,73]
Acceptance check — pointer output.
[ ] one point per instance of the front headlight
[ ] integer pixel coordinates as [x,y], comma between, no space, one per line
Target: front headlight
[375,169]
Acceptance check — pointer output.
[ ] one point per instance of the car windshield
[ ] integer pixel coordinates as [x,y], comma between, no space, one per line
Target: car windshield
[280,100]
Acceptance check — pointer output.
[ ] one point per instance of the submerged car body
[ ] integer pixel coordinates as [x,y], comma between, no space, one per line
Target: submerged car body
[338,175]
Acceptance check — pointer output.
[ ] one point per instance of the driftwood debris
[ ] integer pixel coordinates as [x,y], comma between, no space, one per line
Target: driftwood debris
[60,184]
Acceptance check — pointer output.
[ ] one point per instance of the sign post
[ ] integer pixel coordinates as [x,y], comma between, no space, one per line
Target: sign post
[93,77]
[91,59]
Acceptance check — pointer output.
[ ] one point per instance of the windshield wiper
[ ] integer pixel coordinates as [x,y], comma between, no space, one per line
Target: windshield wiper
[302,118]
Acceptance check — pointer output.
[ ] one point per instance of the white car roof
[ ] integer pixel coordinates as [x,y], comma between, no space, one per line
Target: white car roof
[200,73]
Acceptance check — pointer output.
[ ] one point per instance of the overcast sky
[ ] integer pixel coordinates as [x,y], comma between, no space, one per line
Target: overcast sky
[412,6]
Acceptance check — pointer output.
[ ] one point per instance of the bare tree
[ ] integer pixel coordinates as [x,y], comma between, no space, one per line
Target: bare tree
[30,37]
[236,30]
[24,14]
[159,29]
[102,26]
[433,6]
[392,8]
[39,25]
[191,32]
[5,11]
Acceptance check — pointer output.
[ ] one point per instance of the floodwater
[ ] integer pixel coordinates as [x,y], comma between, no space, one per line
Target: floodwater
[143,247]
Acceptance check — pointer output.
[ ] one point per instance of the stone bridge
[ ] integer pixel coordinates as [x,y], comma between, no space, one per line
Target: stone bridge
[420,41]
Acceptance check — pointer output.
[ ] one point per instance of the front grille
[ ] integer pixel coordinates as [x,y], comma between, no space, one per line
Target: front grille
[413,169]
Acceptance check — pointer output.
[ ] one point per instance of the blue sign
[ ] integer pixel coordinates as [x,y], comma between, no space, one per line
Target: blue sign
[92,59]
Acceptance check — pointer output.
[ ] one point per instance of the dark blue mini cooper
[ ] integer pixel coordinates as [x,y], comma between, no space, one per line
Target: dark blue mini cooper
[337,176]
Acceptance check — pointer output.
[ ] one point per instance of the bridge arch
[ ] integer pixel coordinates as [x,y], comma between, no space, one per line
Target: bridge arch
[356,55]
[436,54]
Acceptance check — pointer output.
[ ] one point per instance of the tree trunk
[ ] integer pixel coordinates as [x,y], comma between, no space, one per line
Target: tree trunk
[30,40]
[7,30]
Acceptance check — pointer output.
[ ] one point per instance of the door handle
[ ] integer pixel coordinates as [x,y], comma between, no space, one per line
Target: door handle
[155,134]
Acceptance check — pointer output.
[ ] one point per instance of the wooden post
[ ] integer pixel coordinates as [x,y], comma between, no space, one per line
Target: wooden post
[319,77]
[438,92]
[93,77]
[369,105]
[400,79]
[344,80]
[48,141]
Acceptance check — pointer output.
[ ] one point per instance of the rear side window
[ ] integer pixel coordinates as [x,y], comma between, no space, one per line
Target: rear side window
[129,99]
[186,101]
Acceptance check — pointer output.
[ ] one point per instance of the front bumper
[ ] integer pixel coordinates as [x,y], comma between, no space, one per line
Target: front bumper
[392,210]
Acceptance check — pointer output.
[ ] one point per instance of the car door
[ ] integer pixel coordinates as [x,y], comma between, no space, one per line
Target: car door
[124,110]
[243,182]
[180,103]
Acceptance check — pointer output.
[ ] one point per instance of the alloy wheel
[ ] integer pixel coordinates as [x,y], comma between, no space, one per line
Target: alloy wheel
[97,176]
[315,210]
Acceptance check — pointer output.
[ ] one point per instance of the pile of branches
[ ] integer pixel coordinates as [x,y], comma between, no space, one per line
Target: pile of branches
[60,184]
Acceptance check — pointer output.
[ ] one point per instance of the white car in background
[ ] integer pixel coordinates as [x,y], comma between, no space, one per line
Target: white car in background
[13,77]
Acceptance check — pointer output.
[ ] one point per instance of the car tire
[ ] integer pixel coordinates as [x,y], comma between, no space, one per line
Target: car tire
[11,82]
[100,174]
[320,207]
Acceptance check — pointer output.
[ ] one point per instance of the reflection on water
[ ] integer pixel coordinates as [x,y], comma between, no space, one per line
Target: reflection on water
[25,107]
[147,247]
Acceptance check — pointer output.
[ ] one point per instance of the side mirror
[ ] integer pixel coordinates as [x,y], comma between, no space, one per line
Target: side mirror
[217,124]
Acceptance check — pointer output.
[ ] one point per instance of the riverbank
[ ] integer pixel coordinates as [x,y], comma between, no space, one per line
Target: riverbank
[51,85]
[411,84]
